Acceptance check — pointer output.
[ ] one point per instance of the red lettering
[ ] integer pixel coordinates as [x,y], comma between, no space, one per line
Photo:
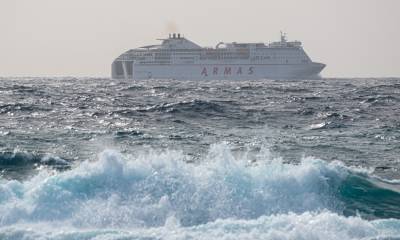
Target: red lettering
[227,71]
[215,71]
[251,70]
[239,71]
[204,72]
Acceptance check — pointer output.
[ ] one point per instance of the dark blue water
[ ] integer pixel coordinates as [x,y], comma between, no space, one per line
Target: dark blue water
[98,158]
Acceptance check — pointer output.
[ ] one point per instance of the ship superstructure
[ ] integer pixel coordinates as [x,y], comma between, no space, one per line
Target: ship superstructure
[179,58]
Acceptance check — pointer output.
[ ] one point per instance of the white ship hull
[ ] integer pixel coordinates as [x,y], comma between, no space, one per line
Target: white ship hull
[223,71]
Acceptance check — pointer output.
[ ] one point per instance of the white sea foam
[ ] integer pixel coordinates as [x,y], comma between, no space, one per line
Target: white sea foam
[158,195]
[308,225]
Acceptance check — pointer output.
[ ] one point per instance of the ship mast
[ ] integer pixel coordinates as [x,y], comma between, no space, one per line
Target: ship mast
[283,37]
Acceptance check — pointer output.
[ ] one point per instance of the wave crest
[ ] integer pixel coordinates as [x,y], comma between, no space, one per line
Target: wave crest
[145,190]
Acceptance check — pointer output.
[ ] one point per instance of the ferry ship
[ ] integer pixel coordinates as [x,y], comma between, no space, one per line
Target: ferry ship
[179,58]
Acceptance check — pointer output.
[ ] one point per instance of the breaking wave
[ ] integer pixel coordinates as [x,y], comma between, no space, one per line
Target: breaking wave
[157,195]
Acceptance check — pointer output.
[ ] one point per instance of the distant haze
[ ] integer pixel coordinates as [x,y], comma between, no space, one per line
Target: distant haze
[355,38]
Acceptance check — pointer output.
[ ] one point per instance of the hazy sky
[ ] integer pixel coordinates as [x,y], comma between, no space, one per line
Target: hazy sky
[355,38]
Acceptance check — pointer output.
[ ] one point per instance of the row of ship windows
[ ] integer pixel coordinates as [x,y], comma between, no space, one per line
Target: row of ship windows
[276,57]
[256,58]
[216,56]
[192,60]
[252,59]
[211,53]
[220,56]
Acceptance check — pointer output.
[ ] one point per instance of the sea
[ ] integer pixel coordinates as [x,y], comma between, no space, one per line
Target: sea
[96,158]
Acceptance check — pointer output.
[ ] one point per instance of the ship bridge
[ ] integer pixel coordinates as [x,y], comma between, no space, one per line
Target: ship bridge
[284,43]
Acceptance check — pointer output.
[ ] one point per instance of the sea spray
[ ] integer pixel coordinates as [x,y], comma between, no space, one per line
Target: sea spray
[148,188]
[137,195]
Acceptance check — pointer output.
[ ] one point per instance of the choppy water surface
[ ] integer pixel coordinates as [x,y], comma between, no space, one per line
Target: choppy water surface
[95,158]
